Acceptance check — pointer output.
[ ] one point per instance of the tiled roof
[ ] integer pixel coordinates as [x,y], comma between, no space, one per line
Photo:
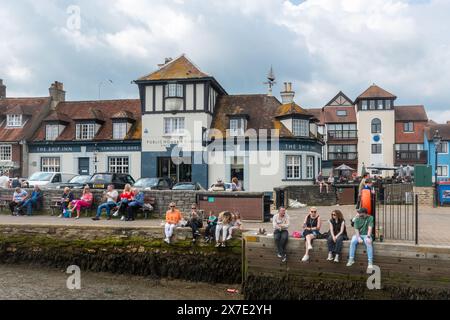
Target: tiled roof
[318,114]
[260,108]
[444,131]
[330,115]
[180,68]
[31,108]
[123,114]
[56,116]
[93,110]
[410,113]
[374,92]
[290,109]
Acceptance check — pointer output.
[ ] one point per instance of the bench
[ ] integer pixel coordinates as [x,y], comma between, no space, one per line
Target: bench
[145,210]
[4,202]
[55,204]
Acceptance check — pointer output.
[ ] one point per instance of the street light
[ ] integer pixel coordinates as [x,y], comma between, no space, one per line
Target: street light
[437,141]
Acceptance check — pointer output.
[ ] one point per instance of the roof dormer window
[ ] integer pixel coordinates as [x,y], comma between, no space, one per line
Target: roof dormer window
[341,113]
[51,132]
[300,127]
[120,130]
[237,127]
[85,131]
[14,120]
[174,90]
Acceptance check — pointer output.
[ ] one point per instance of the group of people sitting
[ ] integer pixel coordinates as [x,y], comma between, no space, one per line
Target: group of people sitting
[23,203]
[362,223]
[219,228]
[126,204]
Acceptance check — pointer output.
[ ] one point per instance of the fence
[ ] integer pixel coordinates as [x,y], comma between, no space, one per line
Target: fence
[396,213]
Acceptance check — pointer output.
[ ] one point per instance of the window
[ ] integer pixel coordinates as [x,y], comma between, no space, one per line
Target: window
[442,171]
[388,104]
[174,90]
[300,128]
[372,104]
[380,104]
[377,148]
[119,130]
[341,113]
[364,105]
[85,131]
[118,164]
[442,147]
[51,131]
[174,126]
[342,152]
[14,120]
[5,153]
[237,127]
[376,125]
[309,167]
[293,165]
[50,164]
[408,127]
[342,131]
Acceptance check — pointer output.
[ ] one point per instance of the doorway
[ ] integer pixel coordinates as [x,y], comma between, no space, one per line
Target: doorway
[181,172]
[83,166]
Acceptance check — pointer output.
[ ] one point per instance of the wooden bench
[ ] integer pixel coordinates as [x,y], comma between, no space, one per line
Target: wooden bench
[4,202]
[55,204]
[144,210]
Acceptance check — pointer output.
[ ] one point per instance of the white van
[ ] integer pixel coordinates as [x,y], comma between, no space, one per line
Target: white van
[45,178]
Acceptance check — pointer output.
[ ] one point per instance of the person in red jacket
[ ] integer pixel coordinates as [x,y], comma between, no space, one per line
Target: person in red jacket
[125,197]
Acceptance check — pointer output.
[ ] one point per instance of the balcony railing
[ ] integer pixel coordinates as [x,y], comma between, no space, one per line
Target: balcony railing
[343,135]
[419,156]
[342,156]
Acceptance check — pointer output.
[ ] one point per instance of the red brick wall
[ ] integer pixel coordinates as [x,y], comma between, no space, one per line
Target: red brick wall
[250,208]
[409,137]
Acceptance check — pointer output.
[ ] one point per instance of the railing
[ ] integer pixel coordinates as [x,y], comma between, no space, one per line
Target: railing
[342,156]
[343,135]
[419,156]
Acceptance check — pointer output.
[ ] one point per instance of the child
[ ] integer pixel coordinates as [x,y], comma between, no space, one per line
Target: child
[236,224]
[210,230]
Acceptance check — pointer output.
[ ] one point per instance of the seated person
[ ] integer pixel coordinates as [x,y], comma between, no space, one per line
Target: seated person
[66,199]
[85,201]
[110,198]
[18,199]
[236,224]
[321,182]
[173,217]
[136,203]
[36,198]
[125,197]
[337,235]
[195,223]
[218,186]
[311,229]
[363,225]
[210,230]
[223,226]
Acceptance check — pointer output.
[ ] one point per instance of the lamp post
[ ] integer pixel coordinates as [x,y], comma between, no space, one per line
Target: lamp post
[95,159]
[437,141]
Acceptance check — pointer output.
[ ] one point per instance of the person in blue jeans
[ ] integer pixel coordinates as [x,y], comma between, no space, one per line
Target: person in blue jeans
[363,224]
[110,197]
[36,197]
[136,203]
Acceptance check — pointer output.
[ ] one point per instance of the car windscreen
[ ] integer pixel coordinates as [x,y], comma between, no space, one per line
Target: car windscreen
[80,179]
[186,186]
[147,182]
[102,178]
[41,176]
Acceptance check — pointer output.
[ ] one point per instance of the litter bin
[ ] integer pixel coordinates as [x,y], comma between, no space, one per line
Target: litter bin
[444,192]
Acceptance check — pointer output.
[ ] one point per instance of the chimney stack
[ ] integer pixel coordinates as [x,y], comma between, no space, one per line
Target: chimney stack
[287,96]
[57,93]
[2,89]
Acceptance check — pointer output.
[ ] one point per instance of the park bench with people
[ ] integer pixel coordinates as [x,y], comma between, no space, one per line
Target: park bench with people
[148,207]
[4,202]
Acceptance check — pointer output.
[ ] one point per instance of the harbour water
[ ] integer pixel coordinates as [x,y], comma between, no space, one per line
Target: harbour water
[23,282]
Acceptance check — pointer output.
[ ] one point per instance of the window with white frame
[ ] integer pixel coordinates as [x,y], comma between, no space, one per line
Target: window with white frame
[51,164]
[119,130]
[237,127]
[51,132]
[309,167]
[364,105]
[442,147]
[173,126]
[388,104]
[377,148]
[174,90]
[380,105]
[119,164]
[408,126]
[300,127]
[293,167]
[14,120]
[5,153]
[372,104]
[442,171]
[85,131]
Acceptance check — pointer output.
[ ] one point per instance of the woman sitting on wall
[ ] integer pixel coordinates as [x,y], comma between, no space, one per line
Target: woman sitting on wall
[236,224]
[311,229]
[85,201]
[223,225]
[338,234]
[66,199]
[125,198]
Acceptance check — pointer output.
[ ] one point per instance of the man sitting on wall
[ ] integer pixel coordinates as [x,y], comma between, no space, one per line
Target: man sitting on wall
[110,196]
[19,197]
[173,217]
[363,225]
[34,201]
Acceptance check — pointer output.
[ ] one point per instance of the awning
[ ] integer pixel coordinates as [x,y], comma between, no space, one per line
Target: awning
[344,167]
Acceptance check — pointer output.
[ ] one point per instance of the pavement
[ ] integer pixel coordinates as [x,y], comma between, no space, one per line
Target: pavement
[434,223]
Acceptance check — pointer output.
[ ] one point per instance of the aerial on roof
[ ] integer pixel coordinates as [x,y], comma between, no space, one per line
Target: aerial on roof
[374,92]
[410,113]
[107,111]
[444,131]
[179,68]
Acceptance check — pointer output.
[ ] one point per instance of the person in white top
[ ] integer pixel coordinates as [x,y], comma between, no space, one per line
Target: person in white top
[110,196]
[4,181]
[280,232]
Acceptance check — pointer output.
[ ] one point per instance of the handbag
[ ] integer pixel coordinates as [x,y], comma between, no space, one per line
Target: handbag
[296,234]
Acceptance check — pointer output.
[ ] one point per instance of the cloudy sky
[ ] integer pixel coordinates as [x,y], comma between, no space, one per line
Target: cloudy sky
[321,46]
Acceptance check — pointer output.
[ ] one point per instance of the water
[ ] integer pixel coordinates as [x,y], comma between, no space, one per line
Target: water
[31,283]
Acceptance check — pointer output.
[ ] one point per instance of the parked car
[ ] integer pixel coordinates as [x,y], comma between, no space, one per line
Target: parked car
[23,182]
[77,182]
[154,184]
[102,180]
[194,186]
[43,179]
